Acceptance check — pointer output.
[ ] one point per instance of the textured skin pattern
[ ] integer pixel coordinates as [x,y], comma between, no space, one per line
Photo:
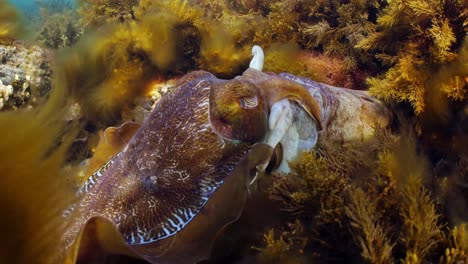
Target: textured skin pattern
[169,170]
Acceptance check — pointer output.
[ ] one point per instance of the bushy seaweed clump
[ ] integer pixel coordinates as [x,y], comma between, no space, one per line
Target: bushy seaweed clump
[56,24]
[98,12]
[420,40]
[10,26]
[374,203]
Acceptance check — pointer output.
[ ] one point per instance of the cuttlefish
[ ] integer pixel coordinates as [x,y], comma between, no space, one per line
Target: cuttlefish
[185,174]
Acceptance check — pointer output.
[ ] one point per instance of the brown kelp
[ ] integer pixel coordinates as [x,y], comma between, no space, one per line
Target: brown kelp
[380,199]
[58,24]
[425,37]
[10,25]
[35,187]
[33,183]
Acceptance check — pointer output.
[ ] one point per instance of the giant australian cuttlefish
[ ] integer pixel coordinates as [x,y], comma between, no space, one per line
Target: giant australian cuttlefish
[187,171]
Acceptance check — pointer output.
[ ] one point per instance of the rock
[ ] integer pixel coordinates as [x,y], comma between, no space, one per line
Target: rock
[25,75]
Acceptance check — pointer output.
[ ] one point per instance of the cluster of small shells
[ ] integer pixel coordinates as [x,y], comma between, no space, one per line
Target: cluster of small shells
[19,88]
[5,92]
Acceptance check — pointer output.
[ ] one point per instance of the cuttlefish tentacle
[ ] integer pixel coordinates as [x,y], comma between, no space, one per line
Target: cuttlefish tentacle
[281,119]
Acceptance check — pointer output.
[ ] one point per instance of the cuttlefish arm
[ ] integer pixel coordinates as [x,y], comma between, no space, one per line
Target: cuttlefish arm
[99,238]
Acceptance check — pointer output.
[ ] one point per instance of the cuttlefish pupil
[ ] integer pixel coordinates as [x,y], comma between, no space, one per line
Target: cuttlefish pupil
[249,102]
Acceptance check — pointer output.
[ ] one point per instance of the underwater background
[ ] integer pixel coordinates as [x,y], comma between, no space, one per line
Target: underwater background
[75,73]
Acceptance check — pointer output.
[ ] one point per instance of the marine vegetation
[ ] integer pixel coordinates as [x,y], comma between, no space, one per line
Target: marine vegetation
[56,24]
[98,12]
[416,39]
[378,198]
[398,198]
[34,183]
[336,27]
[10,28]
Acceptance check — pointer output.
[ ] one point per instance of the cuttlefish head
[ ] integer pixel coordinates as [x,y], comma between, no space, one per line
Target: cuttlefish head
[240,108]
[238,111]
[274,88]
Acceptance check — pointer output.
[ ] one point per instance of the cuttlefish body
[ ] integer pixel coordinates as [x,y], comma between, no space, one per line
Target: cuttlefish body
[188,170]
[184,175]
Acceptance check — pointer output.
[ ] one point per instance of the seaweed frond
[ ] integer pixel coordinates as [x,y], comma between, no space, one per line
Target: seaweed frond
[415,39]
[286,57]
[457,250]
[323,184]
[421,229]
[286,248]
[98,12]
[370,233]
[10,27]
[57,30]
[336,27]
[34,187]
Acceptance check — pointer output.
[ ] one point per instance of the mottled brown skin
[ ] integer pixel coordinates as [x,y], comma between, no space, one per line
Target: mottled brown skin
[111,142]
[99,238]
[348,116]
[233,118]
[172,171]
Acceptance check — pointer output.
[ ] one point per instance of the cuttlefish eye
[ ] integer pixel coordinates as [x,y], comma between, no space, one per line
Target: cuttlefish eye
[237,111]
[249,102]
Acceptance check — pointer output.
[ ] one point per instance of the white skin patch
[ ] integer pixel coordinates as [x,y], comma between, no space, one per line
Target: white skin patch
[281,118]
[295,130]
[258,58]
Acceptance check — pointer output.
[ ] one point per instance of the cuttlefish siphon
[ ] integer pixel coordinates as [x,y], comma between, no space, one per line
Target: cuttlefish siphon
[184,175]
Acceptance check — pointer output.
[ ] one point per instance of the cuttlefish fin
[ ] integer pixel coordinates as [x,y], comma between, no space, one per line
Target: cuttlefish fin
[194,243]
[97,242]
[112,141]
[275,88]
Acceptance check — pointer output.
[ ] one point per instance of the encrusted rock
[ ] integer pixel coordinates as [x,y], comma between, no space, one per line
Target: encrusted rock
[24,74]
